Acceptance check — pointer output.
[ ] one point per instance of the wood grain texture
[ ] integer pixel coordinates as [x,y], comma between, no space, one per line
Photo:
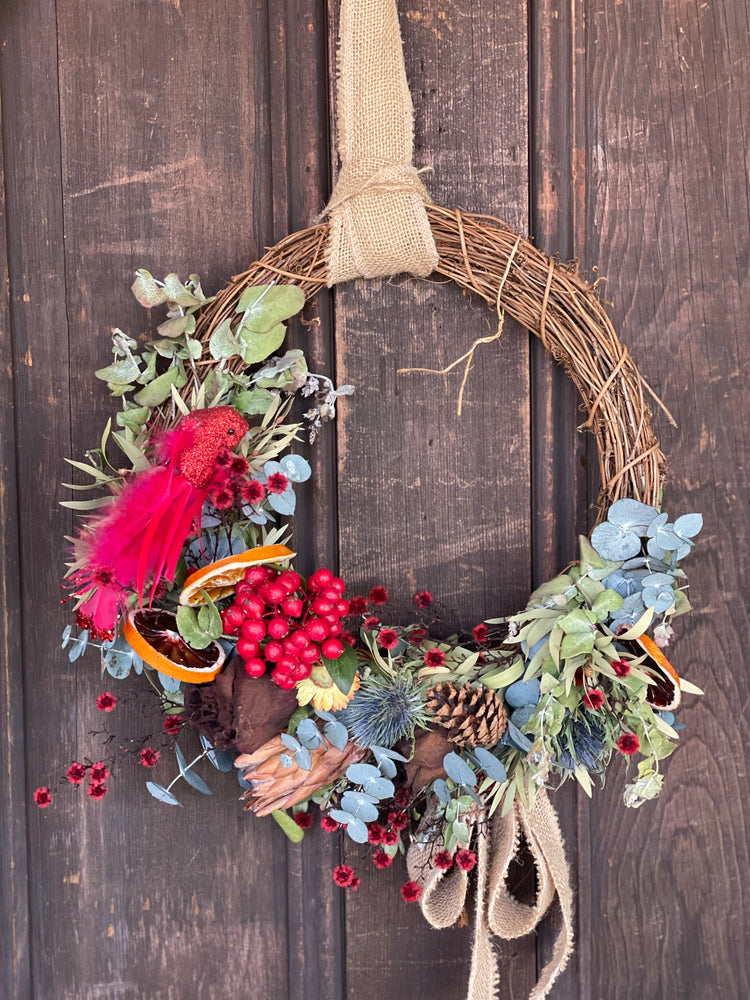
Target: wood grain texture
[428,499]
[667,122]
[15,969]
[165,135]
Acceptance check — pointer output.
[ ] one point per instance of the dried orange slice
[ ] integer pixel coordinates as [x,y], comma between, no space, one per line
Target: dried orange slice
[664,694]
[219,578]
[155,638]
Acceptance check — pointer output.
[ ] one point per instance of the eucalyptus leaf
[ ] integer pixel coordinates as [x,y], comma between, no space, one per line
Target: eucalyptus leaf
[303,759]
[121,372]
[197,782]
[265,306]
[458,770]
[290,742]
[283,503]
[359,806]
[147,290]
[187,626]
[160,389]
[489,763]
[179,293]
[256,346]
[336,734]
[441,790]
[161,793]
[309,734]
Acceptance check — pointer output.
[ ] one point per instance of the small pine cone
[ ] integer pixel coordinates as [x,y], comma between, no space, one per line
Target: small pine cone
[470,715]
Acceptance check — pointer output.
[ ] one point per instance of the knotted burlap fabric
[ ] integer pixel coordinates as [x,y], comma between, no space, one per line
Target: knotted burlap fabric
[378,222]
[497,910]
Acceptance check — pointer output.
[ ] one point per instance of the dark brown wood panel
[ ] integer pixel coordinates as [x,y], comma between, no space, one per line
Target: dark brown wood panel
[667,126]
[14,943]
[183,137]
[427,498]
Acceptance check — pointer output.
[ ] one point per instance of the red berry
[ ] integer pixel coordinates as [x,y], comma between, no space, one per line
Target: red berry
[255,576]
[272,593]
[254,629]
[316,630]
[332,649]
[278,628]
[341,607]
[338,584]
[255,667]
[247,648]
[302,671]
[335,628]
[321,606]
[289,580]
[287,663]
[292,606]
[284,680]
[273,651]
[299,639]
[253,606]
[320,579]
[330,594]
[243,589]
[309,655]
[232,617]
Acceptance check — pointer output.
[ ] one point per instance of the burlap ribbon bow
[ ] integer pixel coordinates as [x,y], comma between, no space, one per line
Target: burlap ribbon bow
[497,911]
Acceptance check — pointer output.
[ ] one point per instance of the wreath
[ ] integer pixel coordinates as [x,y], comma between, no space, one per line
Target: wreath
[441,748]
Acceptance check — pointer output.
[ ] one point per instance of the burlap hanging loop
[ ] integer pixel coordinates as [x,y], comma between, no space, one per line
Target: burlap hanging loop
[378,221]
[498,912]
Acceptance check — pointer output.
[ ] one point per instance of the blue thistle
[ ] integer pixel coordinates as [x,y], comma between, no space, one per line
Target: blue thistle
[385,710]
[583,742]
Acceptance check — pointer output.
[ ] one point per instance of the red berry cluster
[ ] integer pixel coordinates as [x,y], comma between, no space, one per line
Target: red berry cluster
[281,622]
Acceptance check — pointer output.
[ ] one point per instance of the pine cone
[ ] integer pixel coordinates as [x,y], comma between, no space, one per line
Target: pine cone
[470,715]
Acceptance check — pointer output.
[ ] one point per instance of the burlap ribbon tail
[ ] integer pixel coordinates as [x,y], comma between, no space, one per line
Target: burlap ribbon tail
[497,910]
[378,222]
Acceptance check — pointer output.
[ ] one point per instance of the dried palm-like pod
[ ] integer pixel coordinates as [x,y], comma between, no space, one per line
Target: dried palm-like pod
[472,715]
[273,786]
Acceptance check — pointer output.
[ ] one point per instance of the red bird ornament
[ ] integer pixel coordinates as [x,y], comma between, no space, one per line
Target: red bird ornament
[142,532]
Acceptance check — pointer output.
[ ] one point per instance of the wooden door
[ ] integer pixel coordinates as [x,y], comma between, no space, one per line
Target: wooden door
[184,135]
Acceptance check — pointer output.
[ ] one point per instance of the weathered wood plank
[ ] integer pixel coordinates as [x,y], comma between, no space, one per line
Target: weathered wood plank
[559,479]
[668,221]
[39,324]
[427,499]
[15,970]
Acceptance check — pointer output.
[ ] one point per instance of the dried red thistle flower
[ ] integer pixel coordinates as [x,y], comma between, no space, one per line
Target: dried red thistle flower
[621,667]
[628,744]
[99,772]
[382,859]
[252,491]
[222,498]
[277,483]
[378,595]
[97,790]
[388,638]
[423,599]
[398,820]
[371,623]
[149,757]
[76,773]
[106,702]
[173,724]
[239,466]
[42,797]
[357,605]
[402,797]
[411,892]
[303,820]
[375,833]
[329,824]
[390,837]
[479,632]
[594,698]
[434,658]
[343,875]
[465,859]
[224,458]
[443,860]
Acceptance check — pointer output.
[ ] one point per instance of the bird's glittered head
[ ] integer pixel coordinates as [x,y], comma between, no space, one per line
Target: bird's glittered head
[207,434]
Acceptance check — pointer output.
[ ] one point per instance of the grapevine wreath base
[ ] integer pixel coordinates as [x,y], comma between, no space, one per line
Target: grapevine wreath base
[440,748]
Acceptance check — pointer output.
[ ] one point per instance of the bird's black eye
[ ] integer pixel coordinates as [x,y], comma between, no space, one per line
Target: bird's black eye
[231,430]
